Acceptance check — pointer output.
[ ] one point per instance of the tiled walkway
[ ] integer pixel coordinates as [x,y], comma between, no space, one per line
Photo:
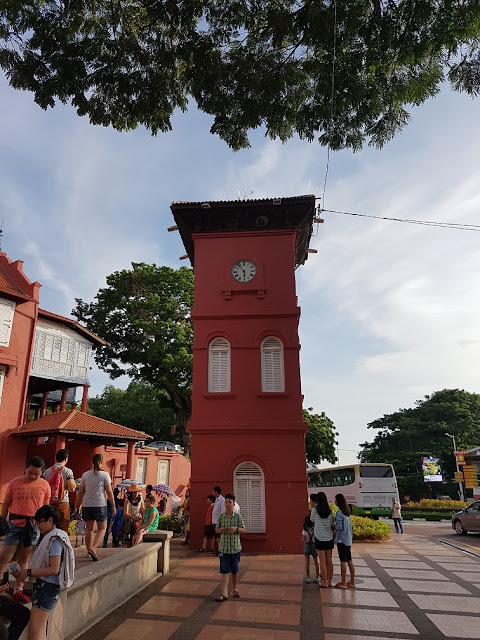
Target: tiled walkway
[408,588]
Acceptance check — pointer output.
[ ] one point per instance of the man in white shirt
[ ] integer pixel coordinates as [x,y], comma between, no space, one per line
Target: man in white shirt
[218,508]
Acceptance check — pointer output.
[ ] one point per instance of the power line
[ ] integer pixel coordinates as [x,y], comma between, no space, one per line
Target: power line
[429,223]
[332,99]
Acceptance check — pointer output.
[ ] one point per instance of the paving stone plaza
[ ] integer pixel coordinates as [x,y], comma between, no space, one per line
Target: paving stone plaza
[410,587]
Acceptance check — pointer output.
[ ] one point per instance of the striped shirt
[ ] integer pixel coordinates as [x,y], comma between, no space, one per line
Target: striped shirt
[230,542]
[323,527]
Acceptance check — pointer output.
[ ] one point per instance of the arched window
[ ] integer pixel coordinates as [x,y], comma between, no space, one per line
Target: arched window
[249,488]
[219,366]
[273,374]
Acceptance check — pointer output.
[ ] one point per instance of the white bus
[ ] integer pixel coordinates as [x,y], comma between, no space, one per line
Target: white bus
[368,488]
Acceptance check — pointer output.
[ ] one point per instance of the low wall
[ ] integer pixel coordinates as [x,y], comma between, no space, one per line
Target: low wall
[101,587]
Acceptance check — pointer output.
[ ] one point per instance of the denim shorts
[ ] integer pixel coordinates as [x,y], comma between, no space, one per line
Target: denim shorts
[99,514]
[45,594]
[309,549]
[15,534]
[229,562]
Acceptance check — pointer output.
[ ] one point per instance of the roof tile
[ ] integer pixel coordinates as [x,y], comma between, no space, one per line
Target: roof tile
[9,287]
[76,422]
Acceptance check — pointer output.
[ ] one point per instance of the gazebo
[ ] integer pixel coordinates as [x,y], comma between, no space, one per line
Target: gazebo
[82,434]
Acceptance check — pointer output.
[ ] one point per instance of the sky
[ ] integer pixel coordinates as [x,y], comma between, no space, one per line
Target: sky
[390,311]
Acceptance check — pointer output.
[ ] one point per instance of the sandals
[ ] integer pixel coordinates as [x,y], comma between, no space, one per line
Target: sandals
[221,599]
[235,594]
[352,586]
[93,556]
[201,550]
[339,585]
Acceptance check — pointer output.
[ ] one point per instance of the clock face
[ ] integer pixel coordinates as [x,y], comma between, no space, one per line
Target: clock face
[244,270]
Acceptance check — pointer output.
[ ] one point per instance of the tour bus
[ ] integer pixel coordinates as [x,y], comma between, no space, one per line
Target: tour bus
[368,488]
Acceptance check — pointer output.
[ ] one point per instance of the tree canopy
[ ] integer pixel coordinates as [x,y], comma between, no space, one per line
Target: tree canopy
[344,72]
[144,315]
[407,435]
[140,406]
[320,438]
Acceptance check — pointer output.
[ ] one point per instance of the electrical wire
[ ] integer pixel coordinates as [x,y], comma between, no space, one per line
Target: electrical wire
[429,223]
[332,99]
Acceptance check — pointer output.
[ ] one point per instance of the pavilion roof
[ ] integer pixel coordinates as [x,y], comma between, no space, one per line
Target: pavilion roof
[77,423]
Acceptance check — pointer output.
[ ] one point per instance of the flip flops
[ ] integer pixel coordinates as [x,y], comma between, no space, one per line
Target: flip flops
[339,585]
[352,586]
[221,599]
[93,556]
[235,594]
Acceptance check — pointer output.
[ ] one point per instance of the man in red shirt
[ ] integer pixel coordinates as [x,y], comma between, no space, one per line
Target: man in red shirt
[25,495]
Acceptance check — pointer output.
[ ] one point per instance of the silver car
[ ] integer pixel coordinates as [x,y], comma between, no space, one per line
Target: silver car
[467,519]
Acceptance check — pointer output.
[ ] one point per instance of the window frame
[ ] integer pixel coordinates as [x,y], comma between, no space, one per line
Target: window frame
[249,479]
[224,384]
[277,384]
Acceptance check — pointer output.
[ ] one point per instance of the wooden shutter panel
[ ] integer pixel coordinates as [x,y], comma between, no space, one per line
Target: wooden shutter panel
[219,366]
[272,366]
[257,508]
[7,312]
[241,497]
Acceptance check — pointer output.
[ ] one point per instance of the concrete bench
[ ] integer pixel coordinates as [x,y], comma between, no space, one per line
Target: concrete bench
[164,552]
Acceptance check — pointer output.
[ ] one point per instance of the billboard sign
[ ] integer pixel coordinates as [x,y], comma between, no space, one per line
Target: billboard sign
[432,470]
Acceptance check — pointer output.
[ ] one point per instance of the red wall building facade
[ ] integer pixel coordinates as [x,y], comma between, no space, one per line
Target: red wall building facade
[247,427]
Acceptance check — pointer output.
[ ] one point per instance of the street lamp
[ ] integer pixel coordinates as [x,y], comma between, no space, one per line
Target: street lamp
[458,468]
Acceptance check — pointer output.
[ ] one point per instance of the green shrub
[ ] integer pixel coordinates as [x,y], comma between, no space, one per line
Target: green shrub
[427,515]
[169,523]
[368,529]
[447,505]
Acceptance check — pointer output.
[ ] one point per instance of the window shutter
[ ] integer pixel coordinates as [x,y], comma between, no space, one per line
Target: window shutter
[250,494]
[273,376]
[219,366]
[2,378]
[7,312]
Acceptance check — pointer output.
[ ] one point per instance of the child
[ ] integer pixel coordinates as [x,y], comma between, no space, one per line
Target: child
[150,520]
[209,528]
[343,538]
[397,515]
[115,525]
[53,566]
[309,549]
[229,526]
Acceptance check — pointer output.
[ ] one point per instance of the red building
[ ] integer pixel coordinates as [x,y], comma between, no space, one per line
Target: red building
[44,359]
[247,427]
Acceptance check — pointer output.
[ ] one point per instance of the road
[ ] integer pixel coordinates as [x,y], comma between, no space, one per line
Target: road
[440,531]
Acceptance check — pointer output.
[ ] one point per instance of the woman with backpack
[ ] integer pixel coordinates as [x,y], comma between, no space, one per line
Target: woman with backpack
[95,488]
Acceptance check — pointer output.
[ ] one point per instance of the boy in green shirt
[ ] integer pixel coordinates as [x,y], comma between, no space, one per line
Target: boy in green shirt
[229,526]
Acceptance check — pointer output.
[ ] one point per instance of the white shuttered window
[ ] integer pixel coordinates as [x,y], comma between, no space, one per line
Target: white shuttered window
[219,366]
[7,311]
[273,373]
[249,488]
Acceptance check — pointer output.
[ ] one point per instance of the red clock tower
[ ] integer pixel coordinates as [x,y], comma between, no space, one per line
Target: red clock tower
[247,427]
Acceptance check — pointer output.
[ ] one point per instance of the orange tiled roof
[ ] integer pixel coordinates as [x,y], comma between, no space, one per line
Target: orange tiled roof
[78,423]
[9,287]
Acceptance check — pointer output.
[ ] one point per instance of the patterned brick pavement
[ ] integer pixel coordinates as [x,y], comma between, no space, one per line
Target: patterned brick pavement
[407,588]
